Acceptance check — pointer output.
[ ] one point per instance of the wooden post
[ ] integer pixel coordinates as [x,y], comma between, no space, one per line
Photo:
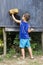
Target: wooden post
[4,39]
[42,40]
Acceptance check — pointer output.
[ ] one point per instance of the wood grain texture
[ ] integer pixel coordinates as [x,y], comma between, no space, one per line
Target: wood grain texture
[34,7]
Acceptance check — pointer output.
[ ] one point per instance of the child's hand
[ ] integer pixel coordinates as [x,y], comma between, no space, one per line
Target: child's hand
[32,29]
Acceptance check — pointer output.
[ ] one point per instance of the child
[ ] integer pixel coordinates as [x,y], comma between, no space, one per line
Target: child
[24,36]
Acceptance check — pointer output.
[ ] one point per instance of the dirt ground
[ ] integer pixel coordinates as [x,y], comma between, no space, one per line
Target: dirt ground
[38,60]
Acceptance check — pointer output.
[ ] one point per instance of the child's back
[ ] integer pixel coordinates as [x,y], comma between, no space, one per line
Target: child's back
[24,30]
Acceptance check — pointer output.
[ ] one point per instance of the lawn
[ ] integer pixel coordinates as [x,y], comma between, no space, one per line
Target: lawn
[38,60]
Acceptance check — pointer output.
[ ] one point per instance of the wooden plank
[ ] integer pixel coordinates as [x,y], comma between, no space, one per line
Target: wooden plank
[42,40]
[4,39]
[17,29]
[34,7]
[12,29]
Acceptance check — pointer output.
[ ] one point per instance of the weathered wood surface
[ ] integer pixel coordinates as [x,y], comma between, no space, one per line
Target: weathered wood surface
[34,7]
[42,40]
[4,39]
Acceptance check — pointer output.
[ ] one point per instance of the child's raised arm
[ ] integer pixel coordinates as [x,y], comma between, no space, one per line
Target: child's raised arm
[17,21]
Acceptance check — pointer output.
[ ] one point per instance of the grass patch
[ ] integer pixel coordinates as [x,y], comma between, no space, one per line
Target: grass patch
[1,59]
[39,52]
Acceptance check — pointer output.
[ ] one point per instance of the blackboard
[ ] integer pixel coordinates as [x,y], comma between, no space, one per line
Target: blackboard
[34,7]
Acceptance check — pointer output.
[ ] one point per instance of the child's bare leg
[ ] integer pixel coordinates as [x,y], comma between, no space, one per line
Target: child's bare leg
[30,52]
[23,52]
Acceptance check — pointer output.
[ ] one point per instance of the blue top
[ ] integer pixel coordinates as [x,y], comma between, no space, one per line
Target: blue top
[24,30]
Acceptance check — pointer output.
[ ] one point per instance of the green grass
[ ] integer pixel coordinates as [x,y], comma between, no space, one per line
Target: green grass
[1,59]
[9,57]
